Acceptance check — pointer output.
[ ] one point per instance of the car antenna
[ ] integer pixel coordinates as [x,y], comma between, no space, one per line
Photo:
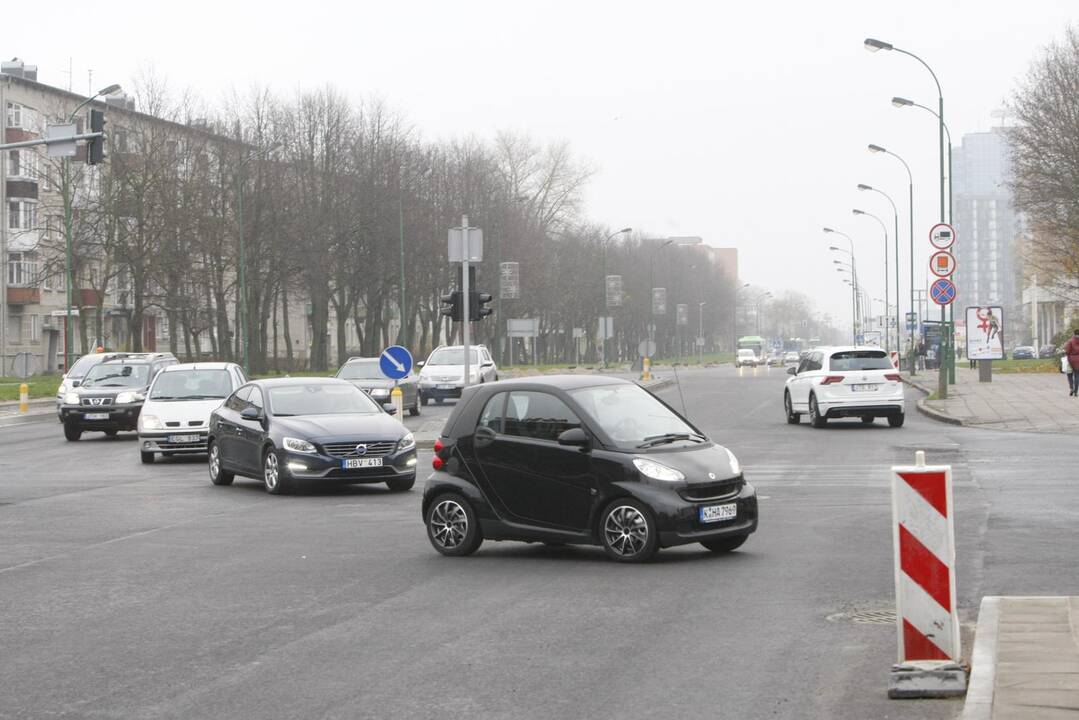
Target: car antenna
[674,369]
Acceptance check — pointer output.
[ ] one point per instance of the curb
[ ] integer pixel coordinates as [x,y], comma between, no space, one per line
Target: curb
[12,420]
[43,402]
[929,412]
[983,662]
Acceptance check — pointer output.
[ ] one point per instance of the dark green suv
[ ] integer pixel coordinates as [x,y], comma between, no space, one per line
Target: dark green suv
[111,395]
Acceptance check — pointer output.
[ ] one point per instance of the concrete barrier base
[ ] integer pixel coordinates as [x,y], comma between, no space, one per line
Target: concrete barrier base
[927,679]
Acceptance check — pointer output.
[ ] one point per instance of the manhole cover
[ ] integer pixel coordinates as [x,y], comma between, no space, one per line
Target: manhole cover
[865,617]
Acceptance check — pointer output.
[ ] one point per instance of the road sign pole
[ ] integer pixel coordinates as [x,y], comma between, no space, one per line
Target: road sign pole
[465,317]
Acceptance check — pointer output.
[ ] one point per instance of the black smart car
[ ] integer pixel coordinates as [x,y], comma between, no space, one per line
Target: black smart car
[586,460]
[294,429]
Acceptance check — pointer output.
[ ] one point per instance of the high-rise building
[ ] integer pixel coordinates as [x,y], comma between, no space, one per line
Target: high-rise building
[986,223]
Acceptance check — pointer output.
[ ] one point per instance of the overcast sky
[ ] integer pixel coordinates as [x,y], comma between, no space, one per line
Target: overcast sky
[744,123]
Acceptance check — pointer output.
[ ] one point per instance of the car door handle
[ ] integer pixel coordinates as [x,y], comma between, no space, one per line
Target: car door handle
[483,437]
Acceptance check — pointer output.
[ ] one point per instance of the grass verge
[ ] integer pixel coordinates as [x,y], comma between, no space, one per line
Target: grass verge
[41,386]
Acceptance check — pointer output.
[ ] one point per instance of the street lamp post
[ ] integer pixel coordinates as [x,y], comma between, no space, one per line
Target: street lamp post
[65,181]
[910,188]
[873,45]
[887,335]
[895,215]
[700,332]
[854,275]
[687,240]
[603,304]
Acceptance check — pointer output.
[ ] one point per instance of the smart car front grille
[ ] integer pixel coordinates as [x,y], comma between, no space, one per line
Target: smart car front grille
[353,449]
[712,491]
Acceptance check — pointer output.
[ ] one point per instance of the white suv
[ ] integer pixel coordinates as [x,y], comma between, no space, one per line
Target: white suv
[844,382]
[443,374]
[745,356]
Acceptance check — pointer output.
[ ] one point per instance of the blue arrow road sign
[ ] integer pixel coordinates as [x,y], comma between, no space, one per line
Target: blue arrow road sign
[942,291]
[395,362]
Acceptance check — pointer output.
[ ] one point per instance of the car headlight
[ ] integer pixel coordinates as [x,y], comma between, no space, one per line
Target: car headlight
[150,422]
[297,445]
[656,471]
[126,398]
[408,442]
[71,398]
[736,467]
[379,392]
[62,390]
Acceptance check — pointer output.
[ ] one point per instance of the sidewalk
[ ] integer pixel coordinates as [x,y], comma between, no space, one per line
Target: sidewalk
[1025,663]
[1035,402]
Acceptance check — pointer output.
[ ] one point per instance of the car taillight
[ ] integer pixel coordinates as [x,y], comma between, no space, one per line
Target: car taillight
[832,379]
[437,462]
[894,377]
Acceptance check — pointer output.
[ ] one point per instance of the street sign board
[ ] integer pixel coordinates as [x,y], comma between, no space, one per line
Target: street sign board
[510,274]
[659,301]
[681,314]
[57,146]
[522,327]
[646,348]
[578,332]
[942,263]
[605,326]
[985,333]
[614,290]
[942,291]
[395,362]
[942,236]
[458,252]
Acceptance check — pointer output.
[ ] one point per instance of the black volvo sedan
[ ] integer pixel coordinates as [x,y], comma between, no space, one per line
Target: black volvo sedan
[586,460]
[289,430]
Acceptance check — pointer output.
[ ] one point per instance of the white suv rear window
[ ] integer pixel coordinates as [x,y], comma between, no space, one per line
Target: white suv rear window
[853,360]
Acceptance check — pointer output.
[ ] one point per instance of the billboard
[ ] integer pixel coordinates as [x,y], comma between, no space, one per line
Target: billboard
[614,291]
[985,333]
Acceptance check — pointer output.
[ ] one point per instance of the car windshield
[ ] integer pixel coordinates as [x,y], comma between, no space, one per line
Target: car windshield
[452,356]
[105,375]
[366,370]
[83,364]
[191,385]
[628,414]
[860,360]
[320,399]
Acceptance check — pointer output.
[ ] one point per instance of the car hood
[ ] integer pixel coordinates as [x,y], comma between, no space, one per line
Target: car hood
[184,412]
[696,462]
[375,426]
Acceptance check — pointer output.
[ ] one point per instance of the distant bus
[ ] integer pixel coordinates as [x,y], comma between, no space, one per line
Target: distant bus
[756,343]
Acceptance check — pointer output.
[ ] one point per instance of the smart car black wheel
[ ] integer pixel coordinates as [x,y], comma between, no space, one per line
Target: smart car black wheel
[628,532]
[452,526]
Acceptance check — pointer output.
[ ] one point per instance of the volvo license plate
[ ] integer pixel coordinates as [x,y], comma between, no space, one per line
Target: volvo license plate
[354,463]
[717,513]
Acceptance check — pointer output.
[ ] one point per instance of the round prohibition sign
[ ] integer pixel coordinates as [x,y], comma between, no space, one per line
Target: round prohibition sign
[942,236]
[942,291]
[942,264]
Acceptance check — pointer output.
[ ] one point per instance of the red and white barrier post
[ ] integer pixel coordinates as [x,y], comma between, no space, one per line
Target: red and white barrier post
[923,533]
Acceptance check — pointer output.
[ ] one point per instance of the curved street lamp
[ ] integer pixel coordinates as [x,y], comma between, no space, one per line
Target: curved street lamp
[854,275]
[856,211]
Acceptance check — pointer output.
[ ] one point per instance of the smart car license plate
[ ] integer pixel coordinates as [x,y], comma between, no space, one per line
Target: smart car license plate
[716,513]
[444,387]
[871,387]
[96,416]
[354,463]
[183,439]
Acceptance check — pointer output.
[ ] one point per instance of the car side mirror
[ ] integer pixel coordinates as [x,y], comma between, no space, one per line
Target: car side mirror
[488,364]
[575,437]
[390,408]
[75,383]
[421,363]
[792,371]
[250,413]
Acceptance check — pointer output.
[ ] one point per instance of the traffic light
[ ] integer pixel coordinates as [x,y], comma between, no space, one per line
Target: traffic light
[451,305]
[477,305]
[95,147]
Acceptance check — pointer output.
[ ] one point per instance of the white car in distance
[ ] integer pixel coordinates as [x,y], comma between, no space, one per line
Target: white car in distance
[176,414]
[745,356]
[843,382]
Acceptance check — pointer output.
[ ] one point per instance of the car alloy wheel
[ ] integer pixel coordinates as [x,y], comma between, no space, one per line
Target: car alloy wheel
[627,532]
[218,475]
[273,478]
[452,527]
[815,418]
[792,417]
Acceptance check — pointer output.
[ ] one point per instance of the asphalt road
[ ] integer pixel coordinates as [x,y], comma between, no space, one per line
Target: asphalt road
[130,591]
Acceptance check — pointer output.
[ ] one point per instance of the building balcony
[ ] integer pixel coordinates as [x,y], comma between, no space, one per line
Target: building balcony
[23,296]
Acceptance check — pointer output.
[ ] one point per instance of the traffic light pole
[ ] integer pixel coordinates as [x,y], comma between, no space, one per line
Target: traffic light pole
[466,316]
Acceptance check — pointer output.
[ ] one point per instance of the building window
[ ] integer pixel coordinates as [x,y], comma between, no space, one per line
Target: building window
[14,329]
[35,328]
[22,215]
[21,269]
[14,115]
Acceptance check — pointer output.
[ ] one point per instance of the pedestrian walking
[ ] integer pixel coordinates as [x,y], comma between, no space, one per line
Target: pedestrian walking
[1071,351]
